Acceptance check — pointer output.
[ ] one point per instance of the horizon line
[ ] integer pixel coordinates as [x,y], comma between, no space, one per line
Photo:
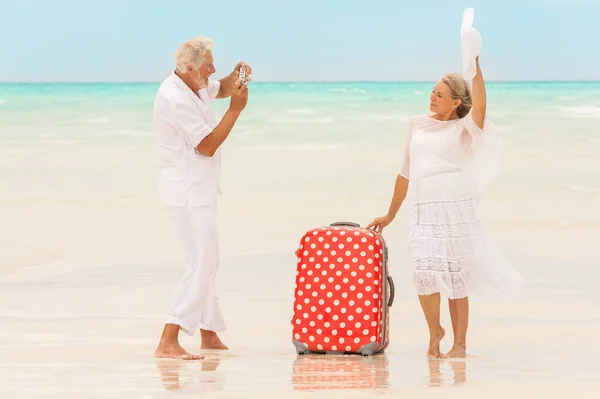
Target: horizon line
[299,81]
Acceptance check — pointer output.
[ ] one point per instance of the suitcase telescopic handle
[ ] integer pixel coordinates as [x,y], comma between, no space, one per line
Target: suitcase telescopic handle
[392,291]
[350,224]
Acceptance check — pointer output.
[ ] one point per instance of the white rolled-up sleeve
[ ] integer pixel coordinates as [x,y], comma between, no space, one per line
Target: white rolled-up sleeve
[213,89]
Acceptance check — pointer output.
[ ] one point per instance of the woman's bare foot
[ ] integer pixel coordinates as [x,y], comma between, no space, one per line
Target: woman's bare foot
[457,352]
[210,340]
[174,351]
[434,344]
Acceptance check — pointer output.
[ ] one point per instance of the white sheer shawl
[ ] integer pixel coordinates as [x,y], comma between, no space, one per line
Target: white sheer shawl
[480,147]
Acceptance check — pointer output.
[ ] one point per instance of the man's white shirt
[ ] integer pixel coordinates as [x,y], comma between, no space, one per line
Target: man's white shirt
[182,120]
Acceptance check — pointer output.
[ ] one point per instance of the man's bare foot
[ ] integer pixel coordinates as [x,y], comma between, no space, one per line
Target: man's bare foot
[434,344]
[210,340]
[457,352]
[174,351]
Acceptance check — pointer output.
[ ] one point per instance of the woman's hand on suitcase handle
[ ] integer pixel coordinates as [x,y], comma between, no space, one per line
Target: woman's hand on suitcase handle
[380,223]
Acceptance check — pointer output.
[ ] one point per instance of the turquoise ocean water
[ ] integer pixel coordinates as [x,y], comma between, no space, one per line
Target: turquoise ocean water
[56,139]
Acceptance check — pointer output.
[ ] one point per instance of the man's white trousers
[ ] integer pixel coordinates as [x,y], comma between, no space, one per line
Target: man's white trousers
[196,304]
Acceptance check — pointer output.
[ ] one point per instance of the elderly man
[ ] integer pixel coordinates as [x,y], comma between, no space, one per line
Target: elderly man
[189,140]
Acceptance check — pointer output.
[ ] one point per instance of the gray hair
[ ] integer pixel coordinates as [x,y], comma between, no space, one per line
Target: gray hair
[192,53]
[459,90]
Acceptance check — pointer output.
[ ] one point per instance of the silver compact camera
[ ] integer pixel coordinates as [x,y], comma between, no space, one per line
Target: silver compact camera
[243,76]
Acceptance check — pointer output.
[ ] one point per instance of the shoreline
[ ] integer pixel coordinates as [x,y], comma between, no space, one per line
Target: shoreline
[109,233]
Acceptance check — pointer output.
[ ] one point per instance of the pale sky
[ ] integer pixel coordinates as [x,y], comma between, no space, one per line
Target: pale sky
[308,40]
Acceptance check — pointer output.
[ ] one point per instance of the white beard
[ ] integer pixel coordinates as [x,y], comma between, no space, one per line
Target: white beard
[202,83]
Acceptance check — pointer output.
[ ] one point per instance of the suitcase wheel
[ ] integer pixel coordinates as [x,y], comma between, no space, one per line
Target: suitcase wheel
[301,349]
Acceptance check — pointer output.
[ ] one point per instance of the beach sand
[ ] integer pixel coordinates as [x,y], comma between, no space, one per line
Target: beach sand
[86,324]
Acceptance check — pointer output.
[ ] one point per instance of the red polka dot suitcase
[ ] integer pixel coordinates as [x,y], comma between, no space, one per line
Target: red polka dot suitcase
[343,291]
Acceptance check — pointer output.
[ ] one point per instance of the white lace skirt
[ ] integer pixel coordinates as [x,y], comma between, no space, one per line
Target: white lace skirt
[453,255]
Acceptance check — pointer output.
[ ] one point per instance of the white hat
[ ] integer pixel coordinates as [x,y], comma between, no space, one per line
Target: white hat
[470,40]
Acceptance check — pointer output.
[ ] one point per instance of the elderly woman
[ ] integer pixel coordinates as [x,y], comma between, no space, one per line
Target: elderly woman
[450,155]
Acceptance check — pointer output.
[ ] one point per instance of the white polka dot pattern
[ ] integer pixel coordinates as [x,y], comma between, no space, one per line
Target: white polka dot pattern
[340,309]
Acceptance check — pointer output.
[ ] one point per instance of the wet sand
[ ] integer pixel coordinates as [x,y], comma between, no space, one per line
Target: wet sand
[73,331]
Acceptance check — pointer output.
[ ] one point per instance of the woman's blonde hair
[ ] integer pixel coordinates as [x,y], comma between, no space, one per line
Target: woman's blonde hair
[460,90]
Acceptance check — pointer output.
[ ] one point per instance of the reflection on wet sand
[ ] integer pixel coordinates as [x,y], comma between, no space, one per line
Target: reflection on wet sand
[316,372]
[436,377]
[191,376]
[322,372]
